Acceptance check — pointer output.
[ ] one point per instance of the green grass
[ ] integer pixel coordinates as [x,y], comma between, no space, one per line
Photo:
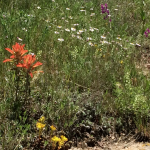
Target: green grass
[76,72]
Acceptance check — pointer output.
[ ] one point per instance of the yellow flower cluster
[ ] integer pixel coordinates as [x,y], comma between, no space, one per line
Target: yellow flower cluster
[61,141]
[52,128]
[42,119]
[40,124]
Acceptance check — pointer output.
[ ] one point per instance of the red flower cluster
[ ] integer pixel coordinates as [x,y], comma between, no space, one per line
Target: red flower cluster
[26,61]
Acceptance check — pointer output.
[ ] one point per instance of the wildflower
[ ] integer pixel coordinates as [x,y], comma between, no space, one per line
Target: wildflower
[121,61]
[70,17]
[73,29]
[56,32]
[105,10]
[132,43]
[147,32]
[38,7]
[17,52]
[19,39]
[68,30]
[67,8]
[79,37]
[42,119]
[99,49]
[91,44]
[92,14]
[63,138]
[95,29]
[82,10]
[105,42]
[28,64]
[103,37]
[47,20]
[24,29]
[59,27]
[55,139]
[91,29]
[138,45]
[66,21]
[81,31]
[76,24]
[40,126]
[73,35]
[118,38]
[52,128]
[60,39]
[88,38]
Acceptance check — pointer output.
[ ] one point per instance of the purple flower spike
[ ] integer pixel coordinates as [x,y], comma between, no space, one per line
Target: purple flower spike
[105,10]
[147,32]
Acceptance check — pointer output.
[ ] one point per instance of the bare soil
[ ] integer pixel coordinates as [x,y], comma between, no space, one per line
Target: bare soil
[118,146]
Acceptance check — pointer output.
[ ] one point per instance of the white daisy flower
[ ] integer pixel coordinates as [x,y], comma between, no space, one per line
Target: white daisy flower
[105,42]
[19,39]
[73,29]
[91,29]
[118,38]
[137,44]
[47,20]
[91,44]
[32,54]
[76,24]
[79,37]
[56,32]
[70,17]
[67,8]
[73,35]
[92,14]
[60,39]
[24,29]
[59,27]
[82,10]
[88,38]
[68,30]
[132,43]
[38,7]
[81,31]
[103,37]
[95,29]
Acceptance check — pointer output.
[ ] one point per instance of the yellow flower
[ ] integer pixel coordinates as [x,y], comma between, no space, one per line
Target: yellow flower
[40,126]
[121,61]
[61,143]
[55,139]
[42,119]
[63,138]
[52,128]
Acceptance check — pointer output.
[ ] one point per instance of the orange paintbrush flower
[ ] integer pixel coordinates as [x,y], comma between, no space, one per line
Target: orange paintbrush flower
[17,52]
[28,63]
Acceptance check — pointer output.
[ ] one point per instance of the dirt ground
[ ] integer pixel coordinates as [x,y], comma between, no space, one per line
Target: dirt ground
[118,146]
